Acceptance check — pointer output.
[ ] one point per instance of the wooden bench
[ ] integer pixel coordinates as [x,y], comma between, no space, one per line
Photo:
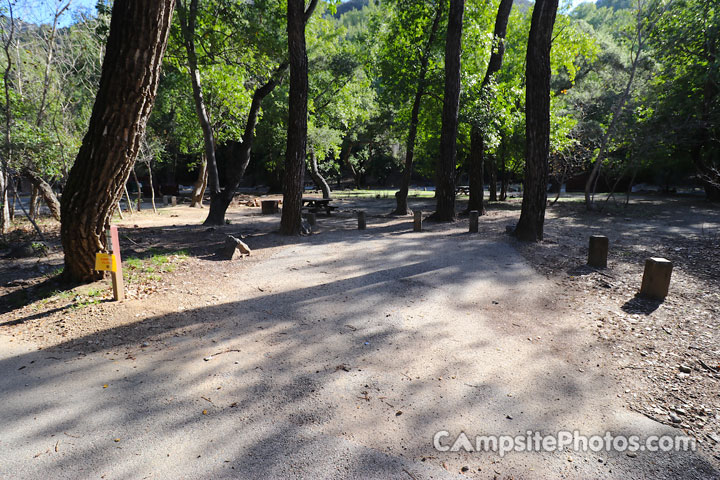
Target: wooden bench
[317,204]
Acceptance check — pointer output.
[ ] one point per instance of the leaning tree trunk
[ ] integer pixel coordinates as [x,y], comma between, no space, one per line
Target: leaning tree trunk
[128,84]
[297,17]
[315,174]
[537,129]
[401,195]
[477,143]
[45,191]
[199,185]
[138,202]
[188,18]
[235,169]
[445,170]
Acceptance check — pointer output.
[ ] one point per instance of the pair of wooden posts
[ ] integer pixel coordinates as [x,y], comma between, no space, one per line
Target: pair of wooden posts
[656,276]
[170,200]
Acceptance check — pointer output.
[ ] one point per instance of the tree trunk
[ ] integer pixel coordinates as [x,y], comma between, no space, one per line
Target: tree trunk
[4,207]
[46,192]
[445,169]
[315,174]
[7,214]
[128,84]
[188,17]
[138,202]
[493,179]
[152,187]
[235,169]
[199,185]
[33,203]
[537,130]
[293,180]
[477,148]
[127,199]
[401,195]
[476,172]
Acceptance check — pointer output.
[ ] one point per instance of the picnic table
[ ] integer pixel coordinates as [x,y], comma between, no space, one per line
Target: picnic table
[317,204]
[462,190]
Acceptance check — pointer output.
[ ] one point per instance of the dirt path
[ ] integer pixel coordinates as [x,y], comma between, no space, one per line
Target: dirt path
[338,356]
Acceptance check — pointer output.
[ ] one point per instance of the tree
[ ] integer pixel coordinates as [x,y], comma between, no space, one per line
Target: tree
[131,71]
[293,181]
[477,144]
[188,19]
[537,115]
[401,195]
[445,167]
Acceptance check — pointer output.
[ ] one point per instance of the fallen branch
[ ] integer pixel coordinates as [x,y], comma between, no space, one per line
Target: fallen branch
[707,367]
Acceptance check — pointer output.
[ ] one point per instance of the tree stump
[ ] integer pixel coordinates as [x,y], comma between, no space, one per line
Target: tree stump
[417,223]
[361,220]
[656,278]
[269,207]
[173,199]
[598,251]
[473,217]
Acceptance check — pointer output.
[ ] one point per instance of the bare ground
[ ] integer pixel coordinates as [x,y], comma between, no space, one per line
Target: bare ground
[578,339]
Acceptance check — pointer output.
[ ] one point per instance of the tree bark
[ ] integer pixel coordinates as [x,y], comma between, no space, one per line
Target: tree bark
[199,185]
[476,172]
[34,197]
[188,17]
[128,84]
[7,214]
[45,191]
[315,174]
[235,170]
[477,148]
[293,180]
[138,202]
[401,195]
[537,130]
[445,169]
[492,167]
[152,187]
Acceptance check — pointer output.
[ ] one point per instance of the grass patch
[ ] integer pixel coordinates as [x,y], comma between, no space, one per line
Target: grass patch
[151,268]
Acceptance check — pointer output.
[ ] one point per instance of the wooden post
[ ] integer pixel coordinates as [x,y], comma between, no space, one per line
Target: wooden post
[269,207]
[166,200]
[173,199]
[417,223]
[361,220]
[598,251]
[117,275]
[310,217]
[473,217]
[656,278]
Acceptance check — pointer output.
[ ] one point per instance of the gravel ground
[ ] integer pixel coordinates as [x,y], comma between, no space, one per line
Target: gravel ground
[337,355]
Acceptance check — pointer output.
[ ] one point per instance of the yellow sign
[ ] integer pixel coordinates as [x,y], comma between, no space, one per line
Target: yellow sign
[105,262]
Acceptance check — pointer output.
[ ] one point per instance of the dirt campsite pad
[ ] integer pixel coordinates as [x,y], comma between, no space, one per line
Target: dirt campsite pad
[344,353]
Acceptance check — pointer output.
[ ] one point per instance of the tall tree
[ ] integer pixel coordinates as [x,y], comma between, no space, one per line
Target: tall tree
[445,169]
[188,19]
[401,195]
[537,120]
[477,144]
[130,75]
[235,169]
[293,181]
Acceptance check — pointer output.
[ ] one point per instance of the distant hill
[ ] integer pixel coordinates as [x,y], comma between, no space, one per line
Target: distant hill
[523,5]
[349,6]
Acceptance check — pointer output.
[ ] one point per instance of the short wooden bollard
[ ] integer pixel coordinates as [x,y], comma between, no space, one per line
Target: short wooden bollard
[173,199]
[269,207]
[417,223]
[473,217]
[166,200]
[656,278]
[361,220]
[598,251]
[310,217]
[112,262]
